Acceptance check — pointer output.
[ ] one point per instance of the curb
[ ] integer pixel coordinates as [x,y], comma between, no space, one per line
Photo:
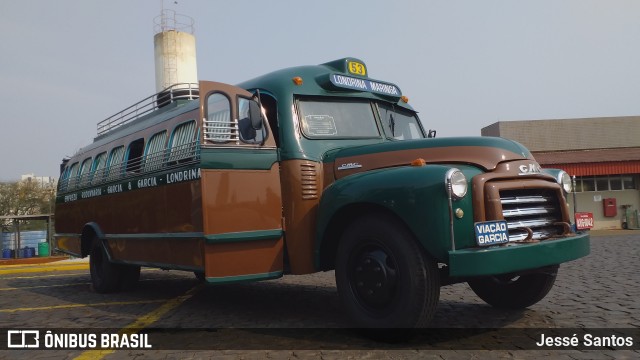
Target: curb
[32,260]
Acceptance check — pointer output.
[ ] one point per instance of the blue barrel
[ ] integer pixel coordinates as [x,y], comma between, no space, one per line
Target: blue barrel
[32,251]
[6,253]
[26,253]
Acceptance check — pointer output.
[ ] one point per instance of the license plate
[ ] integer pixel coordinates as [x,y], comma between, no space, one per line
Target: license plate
[491,232]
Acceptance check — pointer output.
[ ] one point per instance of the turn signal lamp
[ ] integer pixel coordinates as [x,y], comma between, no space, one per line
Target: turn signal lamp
[404,99]
[297,80]
[418,162]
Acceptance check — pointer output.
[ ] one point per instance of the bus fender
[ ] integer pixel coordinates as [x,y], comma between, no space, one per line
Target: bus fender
[90,231]
[415,195]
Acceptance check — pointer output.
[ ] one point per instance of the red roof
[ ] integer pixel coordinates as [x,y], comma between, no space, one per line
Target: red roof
[593,162]
[591,156]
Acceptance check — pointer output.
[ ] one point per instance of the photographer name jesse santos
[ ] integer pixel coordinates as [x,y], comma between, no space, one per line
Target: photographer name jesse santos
[587,340]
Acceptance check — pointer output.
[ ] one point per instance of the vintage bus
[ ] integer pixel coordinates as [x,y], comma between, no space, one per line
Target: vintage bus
[307,169]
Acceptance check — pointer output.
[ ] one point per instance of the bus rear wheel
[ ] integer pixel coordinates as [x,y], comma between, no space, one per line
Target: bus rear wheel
[129,276]
[105,275]
[384,278]
[515,292]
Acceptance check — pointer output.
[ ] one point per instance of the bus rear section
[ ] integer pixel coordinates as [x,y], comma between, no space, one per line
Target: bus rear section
[192,186]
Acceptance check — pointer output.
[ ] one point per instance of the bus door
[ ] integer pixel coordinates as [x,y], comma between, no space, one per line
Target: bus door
[240,179]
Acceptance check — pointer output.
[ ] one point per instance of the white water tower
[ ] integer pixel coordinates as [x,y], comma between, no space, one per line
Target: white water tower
[175,50]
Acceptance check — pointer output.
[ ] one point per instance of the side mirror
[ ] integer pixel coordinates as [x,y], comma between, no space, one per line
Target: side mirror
[255,114]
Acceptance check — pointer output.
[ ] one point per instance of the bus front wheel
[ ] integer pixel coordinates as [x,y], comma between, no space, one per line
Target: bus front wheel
[515,292]
[384,278]
[104,274]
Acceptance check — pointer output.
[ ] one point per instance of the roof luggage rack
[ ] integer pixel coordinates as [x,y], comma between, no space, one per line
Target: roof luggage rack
[181,91]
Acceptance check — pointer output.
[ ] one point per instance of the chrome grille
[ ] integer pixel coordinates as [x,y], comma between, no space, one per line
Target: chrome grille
[534,209]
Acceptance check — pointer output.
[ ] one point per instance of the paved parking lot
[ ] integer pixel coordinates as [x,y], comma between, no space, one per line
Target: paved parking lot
[289,317]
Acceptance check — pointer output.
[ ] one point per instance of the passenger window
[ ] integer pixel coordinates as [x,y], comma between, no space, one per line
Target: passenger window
[218,126]
[71,176]
[98,167]
[114,164]
[134,155]
[183,143]
[83,173]
[155,151]
[62,183]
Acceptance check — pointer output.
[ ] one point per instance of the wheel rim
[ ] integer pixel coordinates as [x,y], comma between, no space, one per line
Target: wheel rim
[506,280]
[373,276]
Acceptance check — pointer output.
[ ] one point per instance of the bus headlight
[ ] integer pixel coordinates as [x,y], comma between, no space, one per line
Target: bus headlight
[458,182]
[565,181]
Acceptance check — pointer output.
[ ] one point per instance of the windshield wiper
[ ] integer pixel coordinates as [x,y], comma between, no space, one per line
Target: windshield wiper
[392,125]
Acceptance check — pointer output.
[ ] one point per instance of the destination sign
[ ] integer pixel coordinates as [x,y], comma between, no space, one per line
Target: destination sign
[372,86]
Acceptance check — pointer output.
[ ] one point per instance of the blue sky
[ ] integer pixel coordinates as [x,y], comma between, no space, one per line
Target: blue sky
[67,64]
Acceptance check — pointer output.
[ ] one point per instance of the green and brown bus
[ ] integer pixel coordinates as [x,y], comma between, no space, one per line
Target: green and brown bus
[314,168]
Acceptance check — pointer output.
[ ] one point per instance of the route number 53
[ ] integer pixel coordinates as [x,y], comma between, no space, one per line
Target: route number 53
[357,68]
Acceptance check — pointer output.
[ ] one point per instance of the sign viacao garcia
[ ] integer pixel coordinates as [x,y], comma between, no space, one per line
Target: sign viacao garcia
[491,232]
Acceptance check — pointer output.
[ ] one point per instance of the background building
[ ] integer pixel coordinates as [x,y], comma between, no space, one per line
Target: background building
[602,153]
[43,181]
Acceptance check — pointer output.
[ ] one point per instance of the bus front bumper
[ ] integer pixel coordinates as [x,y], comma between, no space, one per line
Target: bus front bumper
[517,257]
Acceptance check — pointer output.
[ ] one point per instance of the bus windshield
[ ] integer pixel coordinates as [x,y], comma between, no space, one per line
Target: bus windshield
[400,124]
[350,119]
[334,119]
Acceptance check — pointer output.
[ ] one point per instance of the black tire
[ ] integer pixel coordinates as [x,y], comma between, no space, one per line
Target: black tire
[383,277]
[129,276]
[105,275]
[515,292]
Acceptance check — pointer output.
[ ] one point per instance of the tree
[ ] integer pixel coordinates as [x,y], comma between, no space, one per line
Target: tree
[26,198]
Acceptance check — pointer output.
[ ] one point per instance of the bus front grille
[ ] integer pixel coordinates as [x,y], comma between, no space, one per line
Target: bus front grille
[535,210]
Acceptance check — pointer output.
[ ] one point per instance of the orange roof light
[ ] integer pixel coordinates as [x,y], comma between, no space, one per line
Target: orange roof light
[418,162]
[404,99]
[297,80]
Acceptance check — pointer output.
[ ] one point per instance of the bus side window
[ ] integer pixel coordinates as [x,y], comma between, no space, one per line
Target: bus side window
[183,143]
[114,163]
[134,155]
[217,125]
[63,178]
[83,173]
[155,151]
[69,181]
[98,168]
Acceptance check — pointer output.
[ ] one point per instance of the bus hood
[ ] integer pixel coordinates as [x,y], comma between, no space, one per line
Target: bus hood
[484,152]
